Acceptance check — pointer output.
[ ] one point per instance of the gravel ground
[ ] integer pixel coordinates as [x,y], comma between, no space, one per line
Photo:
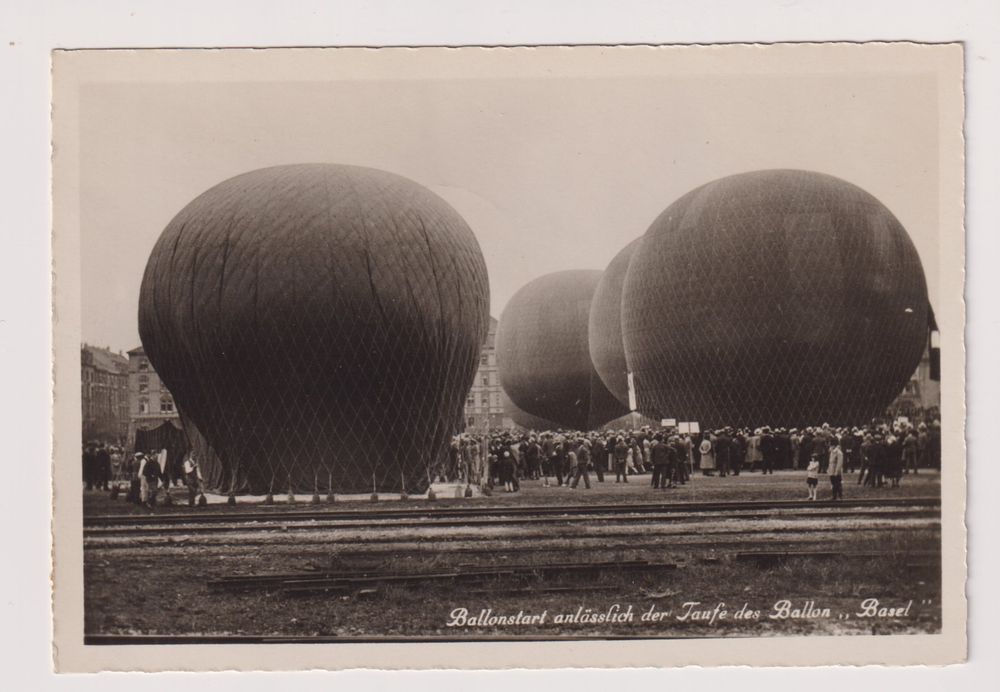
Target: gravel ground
[158,584]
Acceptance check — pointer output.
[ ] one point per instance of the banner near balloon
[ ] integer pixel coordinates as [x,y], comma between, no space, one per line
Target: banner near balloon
[543,356]
[778,297]
[607,350]
[320,324]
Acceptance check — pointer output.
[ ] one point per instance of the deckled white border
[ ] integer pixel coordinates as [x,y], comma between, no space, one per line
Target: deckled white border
[76,68]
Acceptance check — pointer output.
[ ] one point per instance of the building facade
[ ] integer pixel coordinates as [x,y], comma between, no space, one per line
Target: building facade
[483,408]
[149,401]
[104,394]
[921,397]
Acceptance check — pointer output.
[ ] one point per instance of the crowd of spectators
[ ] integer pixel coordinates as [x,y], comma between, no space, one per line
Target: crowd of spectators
[880,453]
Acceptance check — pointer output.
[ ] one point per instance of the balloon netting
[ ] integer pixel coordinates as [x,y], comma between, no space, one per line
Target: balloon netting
[543,354]
[774,298]
[320,326]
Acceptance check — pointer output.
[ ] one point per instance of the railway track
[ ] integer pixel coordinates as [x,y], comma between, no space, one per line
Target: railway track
[470,515]
[480,522]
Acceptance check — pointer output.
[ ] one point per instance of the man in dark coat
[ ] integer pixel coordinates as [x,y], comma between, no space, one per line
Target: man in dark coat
[582,447]
[768,451]
[559,462]
[865,455]
[89,462]
[805,448]
[722,449]
[849,444]
[737,452]
[150,474]
[876,473]
[783,445]
[532,457]
[599,455]
[620,455]
[548,454]
[934,445]
[103,466]
[821,448]
[658,459]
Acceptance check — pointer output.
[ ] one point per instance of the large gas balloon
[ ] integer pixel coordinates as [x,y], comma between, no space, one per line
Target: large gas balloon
[607,350]
[320,325]
[543,356]
[777,297]
[522,418]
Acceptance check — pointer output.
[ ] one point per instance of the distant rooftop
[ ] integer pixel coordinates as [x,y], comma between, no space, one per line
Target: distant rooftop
[105,359]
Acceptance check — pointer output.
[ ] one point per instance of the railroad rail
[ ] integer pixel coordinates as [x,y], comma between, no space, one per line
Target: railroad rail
[492,512]
[495,521]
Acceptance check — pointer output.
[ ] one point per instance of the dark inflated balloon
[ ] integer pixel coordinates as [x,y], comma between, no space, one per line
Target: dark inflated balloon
[775,297]
[543,356]
[523,418]
[317,322]
[607,349]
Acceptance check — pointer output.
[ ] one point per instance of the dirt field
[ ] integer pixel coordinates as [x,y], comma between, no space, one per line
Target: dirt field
[158,584]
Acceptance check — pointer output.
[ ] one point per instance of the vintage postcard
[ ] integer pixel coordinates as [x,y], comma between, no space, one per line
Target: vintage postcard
[590,356]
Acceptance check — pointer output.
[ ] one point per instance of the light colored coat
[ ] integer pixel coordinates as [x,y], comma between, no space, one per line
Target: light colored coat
[707,450]
[836,467]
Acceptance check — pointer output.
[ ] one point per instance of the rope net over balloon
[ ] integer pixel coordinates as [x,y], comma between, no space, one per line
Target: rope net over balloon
[543,355]
[319,326]
[774,298]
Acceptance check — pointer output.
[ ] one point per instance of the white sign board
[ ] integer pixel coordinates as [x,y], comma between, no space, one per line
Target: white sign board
[668,423]
[684,428]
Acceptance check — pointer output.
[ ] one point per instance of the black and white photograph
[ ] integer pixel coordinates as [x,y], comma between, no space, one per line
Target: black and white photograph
[623,346]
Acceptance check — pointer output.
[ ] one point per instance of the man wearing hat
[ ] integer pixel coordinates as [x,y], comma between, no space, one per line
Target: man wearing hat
[836,469]
[659,458]
[723,448]
[149,478]
[737,451]
[821,447]
[767,451]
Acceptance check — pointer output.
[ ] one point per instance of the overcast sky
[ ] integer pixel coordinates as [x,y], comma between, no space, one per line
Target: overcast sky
[550,173]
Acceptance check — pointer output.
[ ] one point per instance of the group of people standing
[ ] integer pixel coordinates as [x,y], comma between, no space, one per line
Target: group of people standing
[880,453]
[143,473]
[567,457]
[879,447]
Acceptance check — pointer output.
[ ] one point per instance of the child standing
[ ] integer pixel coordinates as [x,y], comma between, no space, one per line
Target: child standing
[812,476]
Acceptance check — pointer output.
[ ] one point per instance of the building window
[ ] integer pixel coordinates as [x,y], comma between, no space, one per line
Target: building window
[143,364]
[166,404]
[471,422]
[143,405]
[470,400]
[486,380]
[484,359]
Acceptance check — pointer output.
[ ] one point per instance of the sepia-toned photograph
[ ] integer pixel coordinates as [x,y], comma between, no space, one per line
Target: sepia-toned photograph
[653,348]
